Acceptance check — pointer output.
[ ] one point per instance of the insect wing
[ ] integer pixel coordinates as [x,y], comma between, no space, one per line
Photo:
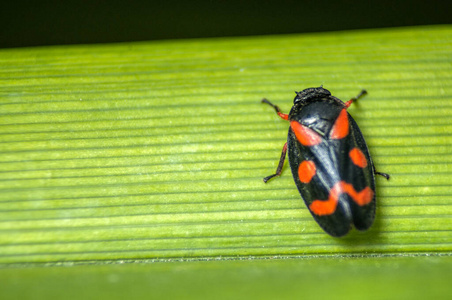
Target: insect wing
[332,179]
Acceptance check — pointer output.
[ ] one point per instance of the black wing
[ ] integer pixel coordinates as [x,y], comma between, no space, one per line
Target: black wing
[338,183]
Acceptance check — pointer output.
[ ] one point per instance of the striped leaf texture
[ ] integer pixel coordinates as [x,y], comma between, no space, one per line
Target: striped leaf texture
[156,150]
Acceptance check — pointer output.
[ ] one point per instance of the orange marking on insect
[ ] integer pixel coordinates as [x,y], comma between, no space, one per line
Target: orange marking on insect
[340,127]
[328,207]
[305,135]
[358,157]
[306,171]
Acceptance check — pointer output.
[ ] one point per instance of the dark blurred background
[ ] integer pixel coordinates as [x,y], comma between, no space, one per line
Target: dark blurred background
[50,22]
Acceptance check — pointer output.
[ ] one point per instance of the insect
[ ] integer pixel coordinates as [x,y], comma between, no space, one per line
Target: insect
[330,161]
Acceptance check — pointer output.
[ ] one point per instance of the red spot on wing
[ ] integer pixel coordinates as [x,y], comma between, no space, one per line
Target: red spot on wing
[328,207]
[305,135]
[358,157]
[306,171]
[340,127]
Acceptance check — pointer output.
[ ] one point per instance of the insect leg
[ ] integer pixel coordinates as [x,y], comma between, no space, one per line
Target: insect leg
[385,175]
[349,102]
[278,111]
[280,165]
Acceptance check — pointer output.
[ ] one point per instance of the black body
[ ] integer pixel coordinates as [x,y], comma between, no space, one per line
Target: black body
[318,110]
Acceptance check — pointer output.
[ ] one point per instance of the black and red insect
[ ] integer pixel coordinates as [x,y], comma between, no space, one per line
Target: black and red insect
[330,161]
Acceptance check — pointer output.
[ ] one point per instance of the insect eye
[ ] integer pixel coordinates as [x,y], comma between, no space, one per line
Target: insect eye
[299,97]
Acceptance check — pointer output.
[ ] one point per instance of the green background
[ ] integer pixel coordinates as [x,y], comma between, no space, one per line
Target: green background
[155,152]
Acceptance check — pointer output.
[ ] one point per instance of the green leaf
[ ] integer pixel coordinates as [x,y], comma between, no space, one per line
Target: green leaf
[156,151]
[319,278]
